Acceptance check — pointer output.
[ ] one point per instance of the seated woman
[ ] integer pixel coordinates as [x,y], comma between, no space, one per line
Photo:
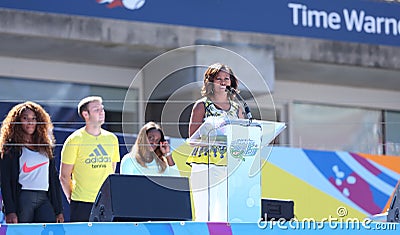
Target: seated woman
[150,155]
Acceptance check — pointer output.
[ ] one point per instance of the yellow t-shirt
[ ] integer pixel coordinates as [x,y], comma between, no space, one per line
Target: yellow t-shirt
[92,157]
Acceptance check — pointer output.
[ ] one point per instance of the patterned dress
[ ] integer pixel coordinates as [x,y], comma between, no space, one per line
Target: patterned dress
[215,154]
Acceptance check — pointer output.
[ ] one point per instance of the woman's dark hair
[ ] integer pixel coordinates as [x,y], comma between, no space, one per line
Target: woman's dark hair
[211,73]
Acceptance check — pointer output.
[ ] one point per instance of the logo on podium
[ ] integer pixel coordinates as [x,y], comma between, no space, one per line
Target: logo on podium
[241,148]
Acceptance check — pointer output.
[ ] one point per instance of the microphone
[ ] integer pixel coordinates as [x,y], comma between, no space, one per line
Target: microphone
[245,106]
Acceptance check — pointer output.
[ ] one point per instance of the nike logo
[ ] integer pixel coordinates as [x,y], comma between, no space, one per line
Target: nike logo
[27,169]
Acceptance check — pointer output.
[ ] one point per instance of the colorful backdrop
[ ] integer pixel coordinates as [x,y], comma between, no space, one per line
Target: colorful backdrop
[323,183]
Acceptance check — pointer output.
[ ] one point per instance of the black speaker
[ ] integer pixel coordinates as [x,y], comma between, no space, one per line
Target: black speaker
[393,211]
[137,198]
[274,209]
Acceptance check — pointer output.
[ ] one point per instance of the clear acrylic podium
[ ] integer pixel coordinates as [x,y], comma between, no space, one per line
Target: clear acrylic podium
[242,139]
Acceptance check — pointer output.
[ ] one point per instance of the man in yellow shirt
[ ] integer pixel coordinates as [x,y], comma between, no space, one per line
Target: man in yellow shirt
[88,156]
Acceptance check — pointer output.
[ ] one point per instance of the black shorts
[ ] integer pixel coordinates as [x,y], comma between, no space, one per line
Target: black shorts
[80,211]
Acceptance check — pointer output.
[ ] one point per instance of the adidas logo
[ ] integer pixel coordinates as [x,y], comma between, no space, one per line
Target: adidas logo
[99,155]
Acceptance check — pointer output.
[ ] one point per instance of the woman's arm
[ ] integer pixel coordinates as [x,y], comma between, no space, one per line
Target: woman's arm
[55,192]
[7,187]
[196,117]
[240,113]
[166,152]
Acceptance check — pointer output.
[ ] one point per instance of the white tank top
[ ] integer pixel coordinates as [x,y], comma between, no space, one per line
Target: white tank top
[33,170]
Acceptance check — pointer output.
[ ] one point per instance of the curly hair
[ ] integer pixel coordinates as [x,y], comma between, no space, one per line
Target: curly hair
[211,73]
[141,149]
[12,134]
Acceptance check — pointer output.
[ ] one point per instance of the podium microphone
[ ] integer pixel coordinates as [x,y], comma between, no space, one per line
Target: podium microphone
[246,107]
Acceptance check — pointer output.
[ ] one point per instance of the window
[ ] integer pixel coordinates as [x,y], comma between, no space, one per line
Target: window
[335,128]
[392,133]
[60,99]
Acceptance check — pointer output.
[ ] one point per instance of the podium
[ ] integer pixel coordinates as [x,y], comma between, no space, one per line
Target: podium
[242,140]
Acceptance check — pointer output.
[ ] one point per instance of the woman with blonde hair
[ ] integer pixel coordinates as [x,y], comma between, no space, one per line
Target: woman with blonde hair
[29,179]
[150,155]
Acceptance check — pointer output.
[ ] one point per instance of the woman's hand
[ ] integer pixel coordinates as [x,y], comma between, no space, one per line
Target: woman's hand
[60,218]
[11,218]
[164,147]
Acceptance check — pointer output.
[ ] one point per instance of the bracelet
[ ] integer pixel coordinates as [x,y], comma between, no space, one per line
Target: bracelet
[167,154]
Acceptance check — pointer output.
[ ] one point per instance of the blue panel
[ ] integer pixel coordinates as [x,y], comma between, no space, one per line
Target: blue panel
[353,21]
[199,228]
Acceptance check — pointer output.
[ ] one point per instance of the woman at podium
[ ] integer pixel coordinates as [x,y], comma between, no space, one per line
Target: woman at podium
[150,155]
[208,163]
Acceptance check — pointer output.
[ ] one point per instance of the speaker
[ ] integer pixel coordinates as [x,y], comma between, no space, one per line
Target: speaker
[274,209]
[393,211]
[137,198]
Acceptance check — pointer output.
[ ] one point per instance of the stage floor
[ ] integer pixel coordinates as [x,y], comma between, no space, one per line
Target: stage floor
[184,228]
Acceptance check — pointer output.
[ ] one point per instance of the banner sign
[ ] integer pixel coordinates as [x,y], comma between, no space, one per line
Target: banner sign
[360,21]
